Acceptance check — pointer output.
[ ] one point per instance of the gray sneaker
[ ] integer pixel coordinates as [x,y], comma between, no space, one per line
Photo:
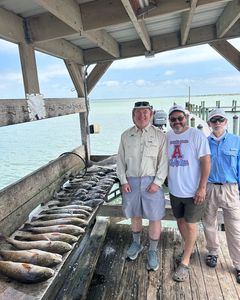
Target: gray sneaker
[152,258]
[133,250]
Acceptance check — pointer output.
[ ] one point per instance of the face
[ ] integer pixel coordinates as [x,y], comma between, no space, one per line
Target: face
[178,121]
[142,117]
[218,124]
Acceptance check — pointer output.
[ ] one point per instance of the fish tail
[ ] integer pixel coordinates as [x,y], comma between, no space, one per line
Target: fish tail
[26,227]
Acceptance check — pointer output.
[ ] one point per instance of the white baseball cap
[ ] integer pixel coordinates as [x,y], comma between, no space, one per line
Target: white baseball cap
[176,108]
[217,112]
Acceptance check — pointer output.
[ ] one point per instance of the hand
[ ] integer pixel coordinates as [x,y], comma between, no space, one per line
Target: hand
[126,188]
[199,195]
[153,188]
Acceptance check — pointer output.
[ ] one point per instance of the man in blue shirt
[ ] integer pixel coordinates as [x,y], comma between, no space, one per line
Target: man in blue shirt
[223,190]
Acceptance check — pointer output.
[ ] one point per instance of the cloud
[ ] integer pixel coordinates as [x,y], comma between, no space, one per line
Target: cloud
[111,83]
[52,71]
[6,46]
[185,56]
[169,72]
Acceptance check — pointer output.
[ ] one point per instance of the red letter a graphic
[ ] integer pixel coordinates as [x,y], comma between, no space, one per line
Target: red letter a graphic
[177,152]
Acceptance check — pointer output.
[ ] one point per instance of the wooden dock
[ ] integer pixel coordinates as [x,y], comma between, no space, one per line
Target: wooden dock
[117,278]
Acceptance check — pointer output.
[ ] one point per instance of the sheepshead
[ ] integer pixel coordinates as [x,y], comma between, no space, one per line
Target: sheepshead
[70,229]
[51,246]
[52,236]
[61,210]
[93,202]
[33,256]
[26,273]
[73,221]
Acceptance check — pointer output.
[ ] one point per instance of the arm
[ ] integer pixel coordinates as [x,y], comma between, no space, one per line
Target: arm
[205,165]
[121,168]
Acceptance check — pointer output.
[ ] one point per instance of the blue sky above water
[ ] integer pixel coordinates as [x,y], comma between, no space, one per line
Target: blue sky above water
[166,74]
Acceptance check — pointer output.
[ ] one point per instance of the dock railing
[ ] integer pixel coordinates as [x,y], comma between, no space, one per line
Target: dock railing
[202,112]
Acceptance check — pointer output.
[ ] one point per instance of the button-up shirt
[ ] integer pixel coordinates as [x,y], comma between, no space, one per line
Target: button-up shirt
[142,152]
[225,159]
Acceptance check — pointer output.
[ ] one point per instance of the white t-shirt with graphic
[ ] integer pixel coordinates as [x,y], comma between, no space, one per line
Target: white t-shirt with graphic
[184,151]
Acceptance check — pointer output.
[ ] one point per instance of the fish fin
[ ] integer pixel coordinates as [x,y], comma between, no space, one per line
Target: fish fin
[26,227]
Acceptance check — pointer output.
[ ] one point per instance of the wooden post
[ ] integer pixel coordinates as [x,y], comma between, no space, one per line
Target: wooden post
[203,110]
[218,104]
[200,111]
[235,124]
[192,122]
[207,112]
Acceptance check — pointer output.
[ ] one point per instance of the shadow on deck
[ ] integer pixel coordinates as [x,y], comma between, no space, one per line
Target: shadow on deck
[117,278]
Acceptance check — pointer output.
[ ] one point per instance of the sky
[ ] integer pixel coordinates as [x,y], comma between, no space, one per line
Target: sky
[166,74]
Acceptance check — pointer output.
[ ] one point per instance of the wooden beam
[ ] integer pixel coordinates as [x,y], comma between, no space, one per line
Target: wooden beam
[139,25]
[76,76]
[229,52]
[105,13]
[187,21]
[62,49]
[16,111]
[46,27]
[29,68]
[170,41]
[228,18]
[96,74]
[11,27]
[69,12]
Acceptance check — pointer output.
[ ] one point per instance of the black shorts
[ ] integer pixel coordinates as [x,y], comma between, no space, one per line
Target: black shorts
[187,209]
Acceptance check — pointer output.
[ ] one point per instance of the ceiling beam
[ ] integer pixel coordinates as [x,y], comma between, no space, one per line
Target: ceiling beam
[105,13]
[138,24]
[228,18]
[62,49]
[187,21]
[69,12]
[11,27]
[170,41]
[96,73]
[230,53]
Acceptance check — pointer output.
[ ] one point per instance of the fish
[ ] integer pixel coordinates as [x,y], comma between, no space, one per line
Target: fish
[60,217]
[93,202]
[52,236]
[60,210]
[26,273]
[33,256]
[51,246]
[67,228]
[46,222]
[74,206]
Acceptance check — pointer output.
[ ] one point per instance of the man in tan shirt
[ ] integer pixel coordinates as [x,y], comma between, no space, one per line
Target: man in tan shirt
[142,168]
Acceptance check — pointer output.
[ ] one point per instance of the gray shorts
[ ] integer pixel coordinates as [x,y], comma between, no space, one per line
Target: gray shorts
[185,208]
[140,203]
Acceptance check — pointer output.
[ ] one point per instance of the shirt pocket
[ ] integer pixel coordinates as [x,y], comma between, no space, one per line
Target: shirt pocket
[231,155]
[151,149]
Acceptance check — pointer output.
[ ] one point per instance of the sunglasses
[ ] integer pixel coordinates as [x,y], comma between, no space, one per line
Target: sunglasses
[180,119]
[141,103]
[217,119]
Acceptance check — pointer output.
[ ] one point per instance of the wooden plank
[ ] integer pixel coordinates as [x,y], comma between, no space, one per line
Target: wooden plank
[16,111]
[79,279]
[27,193]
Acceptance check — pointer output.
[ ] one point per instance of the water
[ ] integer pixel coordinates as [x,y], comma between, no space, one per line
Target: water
[26,147]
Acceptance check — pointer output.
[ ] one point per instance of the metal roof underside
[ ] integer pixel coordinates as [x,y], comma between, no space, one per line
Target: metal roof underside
[89,32]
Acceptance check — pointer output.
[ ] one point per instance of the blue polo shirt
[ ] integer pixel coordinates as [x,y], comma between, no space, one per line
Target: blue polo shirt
[225,159]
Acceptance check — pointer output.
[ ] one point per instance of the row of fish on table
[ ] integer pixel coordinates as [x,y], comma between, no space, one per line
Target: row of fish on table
[42,241]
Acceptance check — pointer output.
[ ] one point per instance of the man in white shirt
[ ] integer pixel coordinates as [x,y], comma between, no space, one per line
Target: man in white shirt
[189,167]
[142,169]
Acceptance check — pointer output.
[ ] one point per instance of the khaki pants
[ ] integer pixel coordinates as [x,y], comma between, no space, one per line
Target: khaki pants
[226,197]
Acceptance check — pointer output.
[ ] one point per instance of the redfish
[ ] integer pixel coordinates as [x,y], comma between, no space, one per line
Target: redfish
[73,221]
[70,229]
[52,236]
[34,256]
[26,273]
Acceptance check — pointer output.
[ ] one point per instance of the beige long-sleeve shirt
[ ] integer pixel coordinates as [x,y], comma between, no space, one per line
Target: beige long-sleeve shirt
[142,153]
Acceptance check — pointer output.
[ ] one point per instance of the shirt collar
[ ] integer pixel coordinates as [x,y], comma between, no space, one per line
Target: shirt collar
[217,139]
[145,129]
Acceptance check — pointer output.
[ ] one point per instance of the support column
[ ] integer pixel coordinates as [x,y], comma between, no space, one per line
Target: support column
[29,68]
[78,78]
